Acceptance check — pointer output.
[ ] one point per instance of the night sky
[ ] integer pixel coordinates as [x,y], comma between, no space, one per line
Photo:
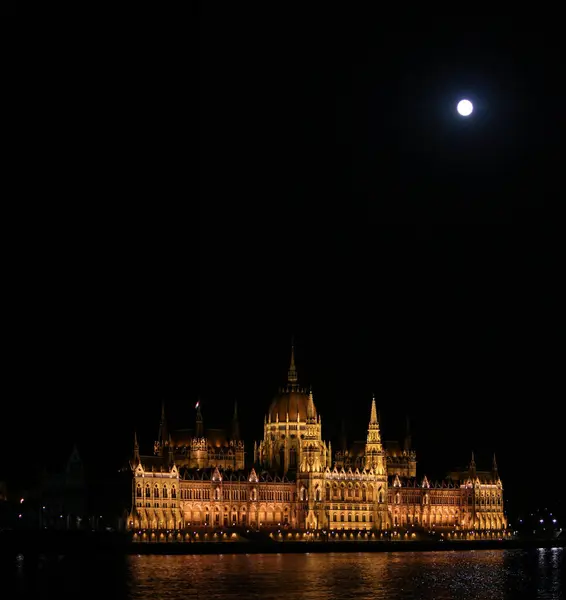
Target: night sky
[411,254]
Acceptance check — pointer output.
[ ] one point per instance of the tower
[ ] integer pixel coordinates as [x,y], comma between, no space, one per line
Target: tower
[199,448]
[376,465]
[314,459]
[374,454]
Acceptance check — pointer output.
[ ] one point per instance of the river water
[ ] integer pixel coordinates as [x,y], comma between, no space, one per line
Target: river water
[489,574]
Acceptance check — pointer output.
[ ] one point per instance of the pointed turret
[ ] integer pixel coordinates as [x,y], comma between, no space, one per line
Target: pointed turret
[163,435]
[373,416]
[472,467]
[199,429]
[235,423]
[494,468]
[136,449]
[292,373]
[311,416]
[374,450]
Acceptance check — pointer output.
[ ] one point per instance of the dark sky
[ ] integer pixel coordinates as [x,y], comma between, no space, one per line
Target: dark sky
[411,253]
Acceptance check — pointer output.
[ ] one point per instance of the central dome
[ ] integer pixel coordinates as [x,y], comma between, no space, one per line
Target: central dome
[292,401]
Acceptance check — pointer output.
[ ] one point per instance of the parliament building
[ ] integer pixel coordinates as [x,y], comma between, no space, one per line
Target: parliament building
[198,479]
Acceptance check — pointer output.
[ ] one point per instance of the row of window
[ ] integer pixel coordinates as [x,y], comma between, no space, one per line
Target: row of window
[341,519]
[156,493]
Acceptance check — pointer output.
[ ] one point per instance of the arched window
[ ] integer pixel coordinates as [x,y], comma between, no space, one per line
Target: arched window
[164,492]
[173,492]
[334,517]
[327,493]
[364,493]
[342,518]
[139,491]
[147,492]
[292,457]
[156,491]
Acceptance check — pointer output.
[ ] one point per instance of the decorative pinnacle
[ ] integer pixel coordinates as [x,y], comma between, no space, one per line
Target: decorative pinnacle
[292,373]
[373,417]
[310,407]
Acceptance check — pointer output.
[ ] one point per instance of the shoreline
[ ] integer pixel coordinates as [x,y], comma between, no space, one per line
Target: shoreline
[333,547]
[77,544]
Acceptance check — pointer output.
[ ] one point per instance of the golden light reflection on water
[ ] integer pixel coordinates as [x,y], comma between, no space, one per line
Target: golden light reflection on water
[439,575]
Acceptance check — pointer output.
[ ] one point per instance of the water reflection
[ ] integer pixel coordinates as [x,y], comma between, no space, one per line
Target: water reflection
[439,575]
[475,575]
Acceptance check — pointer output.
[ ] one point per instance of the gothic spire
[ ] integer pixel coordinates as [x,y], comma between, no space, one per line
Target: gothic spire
[136,448]
[374,450]
[199,429]
[373,417]
[235,423]
[311,418]
[494,468]
[163,433]
[473,464]
[292,373]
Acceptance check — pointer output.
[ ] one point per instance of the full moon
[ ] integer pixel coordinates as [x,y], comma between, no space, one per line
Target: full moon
[465,108]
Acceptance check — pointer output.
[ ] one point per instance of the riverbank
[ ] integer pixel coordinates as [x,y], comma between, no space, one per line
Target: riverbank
[325,547]
[63,543]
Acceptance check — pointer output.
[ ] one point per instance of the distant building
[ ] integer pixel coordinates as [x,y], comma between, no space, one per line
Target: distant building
[63,497]
[197,478]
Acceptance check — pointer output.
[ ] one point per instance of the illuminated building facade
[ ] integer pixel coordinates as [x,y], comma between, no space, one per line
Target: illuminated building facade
[198,478]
